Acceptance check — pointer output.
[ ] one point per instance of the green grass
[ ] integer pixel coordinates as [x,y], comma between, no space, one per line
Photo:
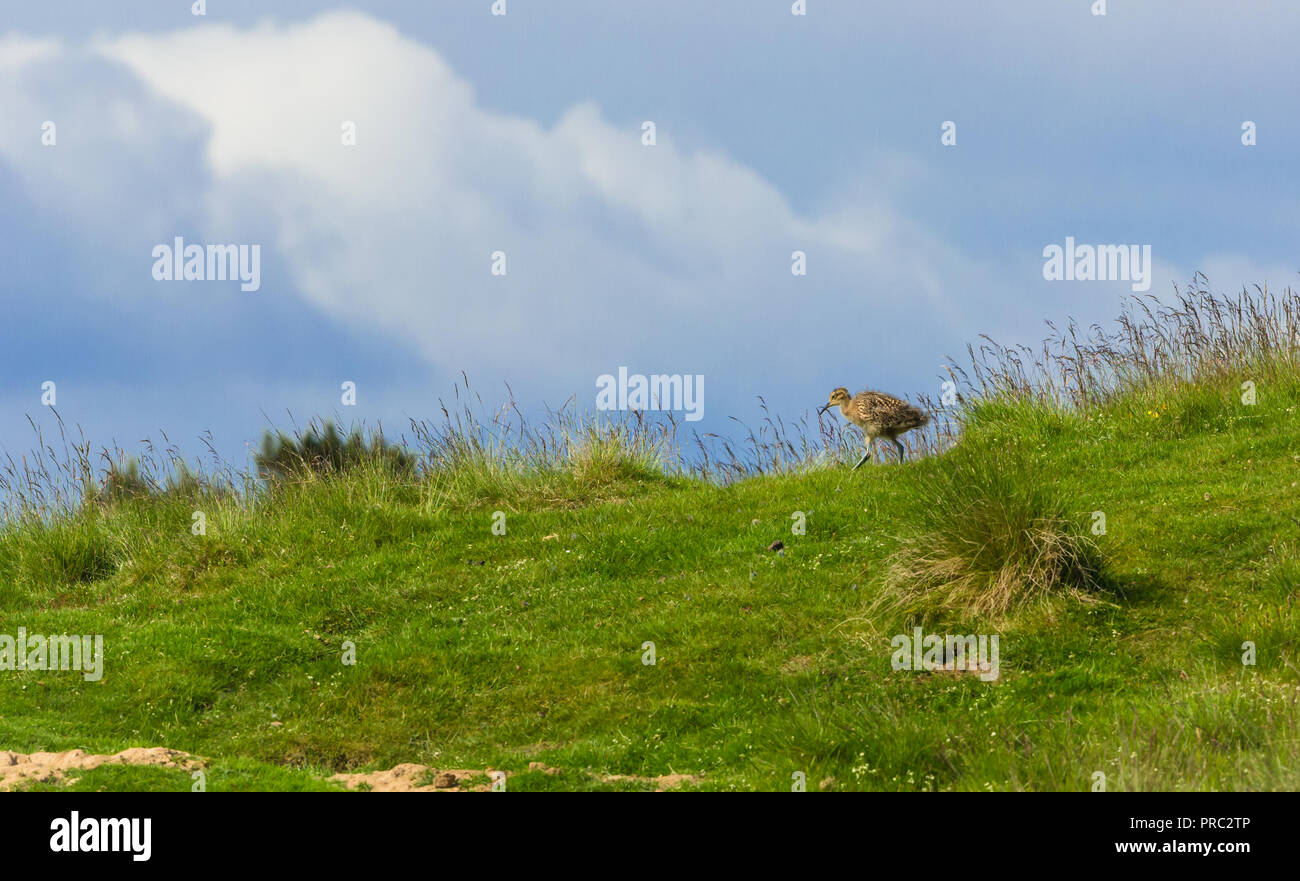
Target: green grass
[482,650]
[237,775]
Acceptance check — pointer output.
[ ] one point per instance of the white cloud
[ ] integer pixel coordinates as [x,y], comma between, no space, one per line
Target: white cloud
[615,250]
[665,258]
[17,51]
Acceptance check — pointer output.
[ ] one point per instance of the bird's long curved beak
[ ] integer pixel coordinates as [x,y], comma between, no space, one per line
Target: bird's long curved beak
[824,408]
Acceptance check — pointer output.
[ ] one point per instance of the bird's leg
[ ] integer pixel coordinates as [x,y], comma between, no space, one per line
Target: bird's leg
[865,456]
[899,446]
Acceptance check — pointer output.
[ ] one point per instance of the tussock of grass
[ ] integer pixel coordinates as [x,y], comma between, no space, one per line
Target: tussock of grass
[988,534]
[69,550]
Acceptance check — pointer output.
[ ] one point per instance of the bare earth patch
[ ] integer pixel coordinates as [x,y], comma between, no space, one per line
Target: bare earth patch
[18,768]
[667,781]
[422,778]
[416,778]
[51,767]
[662,783]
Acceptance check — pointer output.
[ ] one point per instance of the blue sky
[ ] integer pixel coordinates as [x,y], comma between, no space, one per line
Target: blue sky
[522,133]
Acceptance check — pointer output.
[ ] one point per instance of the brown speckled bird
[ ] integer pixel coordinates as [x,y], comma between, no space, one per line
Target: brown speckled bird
[878,415]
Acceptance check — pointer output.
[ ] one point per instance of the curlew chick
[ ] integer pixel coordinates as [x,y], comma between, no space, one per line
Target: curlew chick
[878,415]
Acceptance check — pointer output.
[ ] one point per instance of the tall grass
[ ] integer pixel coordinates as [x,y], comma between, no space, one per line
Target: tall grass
[1154,351]
[472,454]
[466,448]
[570,456]
[70,516]
[989,533]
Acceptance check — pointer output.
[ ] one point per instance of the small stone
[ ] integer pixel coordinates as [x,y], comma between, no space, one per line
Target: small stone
[445,780]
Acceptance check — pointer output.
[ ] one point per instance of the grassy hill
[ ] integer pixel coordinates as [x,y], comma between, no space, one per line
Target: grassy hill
[1120,653]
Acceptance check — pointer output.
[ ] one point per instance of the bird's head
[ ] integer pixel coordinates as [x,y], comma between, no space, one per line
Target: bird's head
[838,398]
